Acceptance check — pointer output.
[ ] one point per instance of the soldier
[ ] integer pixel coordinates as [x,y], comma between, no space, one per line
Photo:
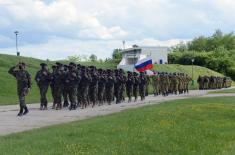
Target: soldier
[23,85]
[117,86]
[101,86]
[129,85]
[54,68]
[155,83]
[43,78]
[136,85]
[109,87]
[58,77]
[188,79]
[200,82]
[123,85]
[94,86]
[65,88]
[71,82]
[175,83]
[142,85]
[147,84]
[84,87]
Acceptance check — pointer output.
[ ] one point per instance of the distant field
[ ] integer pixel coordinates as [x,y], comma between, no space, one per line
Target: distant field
[8,83]
[190,126]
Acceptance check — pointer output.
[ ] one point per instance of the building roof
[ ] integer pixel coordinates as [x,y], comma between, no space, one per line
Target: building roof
[146,47]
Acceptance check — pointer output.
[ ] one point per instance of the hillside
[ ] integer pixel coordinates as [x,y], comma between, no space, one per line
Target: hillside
[8,83]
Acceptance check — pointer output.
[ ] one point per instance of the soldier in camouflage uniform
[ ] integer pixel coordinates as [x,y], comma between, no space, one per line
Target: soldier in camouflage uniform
[129,85]
[84,87]
[136,86]
[43,78]
[58,79]
[101,86]
[71,82]
[142,85]
[175,83]
[155,83]
[23,85]
[94,86]
[109,87]
[148,80]
[54,68]
[118,86]
[65,88]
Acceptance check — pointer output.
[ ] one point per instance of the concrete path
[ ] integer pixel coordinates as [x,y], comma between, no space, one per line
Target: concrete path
[10,123]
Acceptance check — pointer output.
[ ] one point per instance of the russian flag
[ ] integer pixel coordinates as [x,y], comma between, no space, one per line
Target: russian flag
[144,64]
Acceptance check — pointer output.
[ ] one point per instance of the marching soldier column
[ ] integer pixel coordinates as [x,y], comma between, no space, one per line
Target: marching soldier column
[80,86]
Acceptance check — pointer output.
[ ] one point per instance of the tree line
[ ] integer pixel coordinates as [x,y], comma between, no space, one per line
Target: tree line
[216,52]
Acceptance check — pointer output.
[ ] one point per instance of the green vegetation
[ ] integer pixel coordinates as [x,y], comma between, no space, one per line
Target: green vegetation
[216,52]
[223,91]
[190,126]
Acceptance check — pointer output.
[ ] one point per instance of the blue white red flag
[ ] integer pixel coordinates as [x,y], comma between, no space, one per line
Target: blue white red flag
[144,64]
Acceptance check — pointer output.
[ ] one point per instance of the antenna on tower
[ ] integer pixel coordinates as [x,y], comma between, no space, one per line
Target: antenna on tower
[123,43]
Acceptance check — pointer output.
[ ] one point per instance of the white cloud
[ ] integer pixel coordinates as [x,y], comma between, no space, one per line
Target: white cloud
[66,27]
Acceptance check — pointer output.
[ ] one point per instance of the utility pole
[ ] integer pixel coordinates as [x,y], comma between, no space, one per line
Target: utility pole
[17,51]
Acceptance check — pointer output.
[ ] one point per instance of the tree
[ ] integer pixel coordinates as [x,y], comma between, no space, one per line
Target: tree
[74,58]
[93,58]
[117,55]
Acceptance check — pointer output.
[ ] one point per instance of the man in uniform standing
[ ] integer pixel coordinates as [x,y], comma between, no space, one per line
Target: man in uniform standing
[43,78]
[23,85]
[129,85]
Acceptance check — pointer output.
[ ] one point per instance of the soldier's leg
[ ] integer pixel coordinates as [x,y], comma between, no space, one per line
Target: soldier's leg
[44,93]
[72,98]
[65,96]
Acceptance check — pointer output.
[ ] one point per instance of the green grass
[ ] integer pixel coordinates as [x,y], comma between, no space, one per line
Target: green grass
[189,126]
[223,91]
[8,83]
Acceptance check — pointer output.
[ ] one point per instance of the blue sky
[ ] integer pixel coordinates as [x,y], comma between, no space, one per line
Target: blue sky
[55,29]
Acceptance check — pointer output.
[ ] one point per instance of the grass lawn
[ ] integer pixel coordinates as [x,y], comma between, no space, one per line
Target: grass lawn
[223,91]
[190,126]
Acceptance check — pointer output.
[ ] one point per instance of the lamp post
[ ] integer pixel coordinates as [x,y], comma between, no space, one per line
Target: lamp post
[192,71]
[17,52]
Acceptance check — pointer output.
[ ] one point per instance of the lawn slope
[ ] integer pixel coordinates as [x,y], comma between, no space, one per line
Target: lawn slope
[189,126]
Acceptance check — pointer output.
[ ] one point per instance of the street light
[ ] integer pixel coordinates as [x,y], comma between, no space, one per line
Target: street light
[192,71]
[17,52]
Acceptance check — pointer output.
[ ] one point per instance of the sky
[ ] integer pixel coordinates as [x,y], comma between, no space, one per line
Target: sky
[55,29]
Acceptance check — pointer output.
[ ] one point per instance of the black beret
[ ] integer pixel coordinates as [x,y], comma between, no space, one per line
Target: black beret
[43,64]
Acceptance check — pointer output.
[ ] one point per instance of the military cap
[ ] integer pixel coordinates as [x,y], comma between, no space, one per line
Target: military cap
[53,66]
[59,64]
[43,64]
[72,64]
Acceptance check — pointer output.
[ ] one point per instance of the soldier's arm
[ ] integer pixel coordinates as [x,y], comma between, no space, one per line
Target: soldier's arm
[29,80]
[37,78]
[12,71]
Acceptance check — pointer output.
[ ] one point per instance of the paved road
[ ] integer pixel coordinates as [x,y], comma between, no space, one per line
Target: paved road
[10,123]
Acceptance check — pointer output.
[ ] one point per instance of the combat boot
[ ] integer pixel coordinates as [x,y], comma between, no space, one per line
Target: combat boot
[25,110]
[20,112]
[59,106]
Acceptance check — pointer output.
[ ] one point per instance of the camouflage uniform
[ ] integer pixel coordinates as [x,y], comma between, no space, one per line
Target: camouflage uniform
[43,78]
[23,85]
[109,87]
[129,86]
[142,85]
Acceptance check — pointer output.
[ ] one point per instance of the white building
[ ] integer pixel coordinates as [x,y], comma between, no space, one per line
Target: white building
[130,56]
